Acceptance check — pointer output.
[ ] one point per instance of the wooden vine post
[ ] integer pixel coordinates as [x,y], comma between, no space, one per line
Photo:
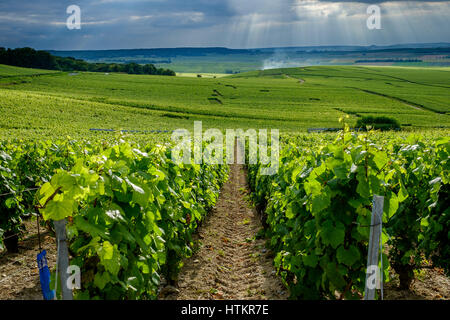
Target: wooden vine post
[373,273]
[63,259]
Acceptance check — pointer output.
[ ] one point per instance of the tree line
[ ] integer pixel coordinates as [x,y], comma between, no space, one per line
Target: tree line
[388,60]
[30,58]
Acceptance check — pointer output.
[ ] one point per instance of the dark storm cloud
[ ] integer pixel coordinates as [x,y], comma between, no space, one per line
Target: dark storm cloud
[41,23]
[236,23]
[104,10]
[383,1]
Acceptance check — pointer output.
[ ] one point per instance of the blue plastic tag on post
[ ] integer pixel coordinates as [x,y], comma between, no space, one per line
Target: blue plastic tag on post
[44,275]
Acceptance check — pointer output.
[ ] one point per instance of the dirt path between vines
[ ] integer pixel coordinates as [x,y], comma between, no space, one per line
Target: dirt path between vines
[231,263]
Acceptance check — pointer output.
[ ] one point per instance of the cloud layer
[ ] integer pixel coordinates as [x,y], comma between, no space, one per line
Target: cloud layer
[111,24]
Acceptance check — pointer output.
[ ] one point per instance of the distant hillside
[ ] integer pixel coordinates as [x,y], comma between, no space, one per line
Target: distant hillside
[174,52]
[169,52]
[225,60]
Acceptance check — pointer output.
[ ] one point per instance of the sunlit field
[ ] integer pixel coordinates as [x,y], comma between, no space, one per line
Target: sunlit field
[287,99]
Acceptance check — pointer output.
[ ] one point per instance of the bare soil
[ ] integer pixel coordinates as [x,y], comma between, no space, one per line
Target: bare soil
[19,273]
[429,284]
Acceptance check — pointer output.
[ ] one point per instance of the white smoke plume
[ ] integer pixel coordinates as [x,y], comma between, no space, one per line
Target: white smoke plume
[281,60]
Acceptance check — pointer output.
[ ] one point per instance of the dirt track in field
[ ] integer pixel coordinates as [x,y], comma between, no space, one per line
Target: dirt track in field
[301,81]
[231,263]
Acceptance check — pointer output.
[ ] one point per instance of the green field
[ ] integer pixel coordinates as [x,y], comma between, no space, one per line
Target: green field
[10,71]
[295,99]
[132,209]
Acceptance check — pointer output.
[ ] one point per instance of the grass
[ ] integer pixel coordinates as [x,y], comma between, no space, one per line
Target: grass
[10,71]
[57,104]
[203,75]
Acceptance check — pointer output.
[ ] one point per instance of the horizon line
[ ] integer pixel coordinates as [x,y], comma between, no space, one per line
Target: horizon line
[265,48]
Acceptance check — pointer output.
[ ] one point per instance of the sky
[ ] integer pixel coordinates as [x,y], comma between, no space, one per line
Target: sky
[127,24]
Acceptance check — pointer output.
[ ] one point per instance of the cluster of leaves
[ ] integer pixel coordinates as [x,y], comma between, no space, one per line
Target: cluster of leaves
[422,175]
[131,212]
[437,235]
[319,207]
[10,201]
[23,166]
[30,58]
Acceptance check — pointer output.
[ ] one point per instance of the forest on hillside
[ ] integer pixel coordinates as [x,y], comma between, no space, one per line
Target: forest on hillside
[30,58]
